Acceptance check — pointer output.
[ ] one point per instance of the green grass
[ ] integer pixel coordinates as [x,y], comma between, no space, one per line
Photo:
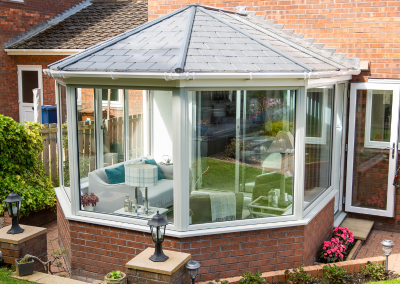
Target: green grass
[386,282]
[221,174]
[6,279]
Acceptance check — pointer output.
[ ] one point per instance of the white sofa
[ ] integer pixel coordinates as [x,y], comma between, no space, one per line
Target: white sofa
[112,196]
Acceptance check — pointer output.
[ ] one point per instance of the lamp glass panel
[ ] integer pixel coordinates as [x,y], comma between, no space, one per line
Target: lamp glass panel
[319,142]
[9,209]
[241,154]
[193,273]
[154,233]
[161,233]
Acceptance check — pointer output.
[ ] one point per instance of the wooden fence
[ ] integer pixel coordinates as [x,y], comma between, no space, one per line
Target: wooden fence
[113,132]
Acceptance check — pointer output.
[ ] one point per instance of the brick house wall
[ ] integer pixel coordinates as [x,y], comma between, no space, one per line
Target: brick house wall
[64,238]
[96,250]
[365,29]
[17,18]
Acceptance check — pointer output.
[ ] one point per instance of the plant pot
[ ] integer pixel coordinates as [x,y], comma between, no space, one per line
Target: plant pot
[23,269]
[115,281]
[88,208]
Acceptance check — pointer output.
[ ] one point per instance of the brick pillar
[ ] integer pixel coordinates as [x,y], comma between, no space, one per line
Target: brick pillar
[142,270]
[32,241]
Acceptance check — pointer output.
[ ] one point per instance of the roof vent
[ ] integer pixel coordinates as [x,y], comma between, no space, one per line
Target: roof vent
[241,9]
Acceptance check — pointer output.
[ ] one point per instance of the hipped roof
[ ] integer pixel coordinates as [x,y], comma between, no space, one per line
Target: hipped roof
[198,38]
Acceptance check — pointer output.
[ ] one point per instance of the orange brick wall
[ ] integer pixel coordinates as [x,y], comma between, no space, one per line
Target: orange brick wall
[365,29]
[16,19]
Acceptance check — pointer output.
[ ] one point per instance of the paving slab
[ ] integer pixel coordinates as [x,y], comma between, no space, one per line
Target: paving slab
[360,228]
[172,264]
[43,278]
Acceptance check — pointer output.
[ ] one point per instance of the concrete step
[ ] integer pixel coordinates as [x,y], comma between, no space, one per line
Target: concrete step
[43,278]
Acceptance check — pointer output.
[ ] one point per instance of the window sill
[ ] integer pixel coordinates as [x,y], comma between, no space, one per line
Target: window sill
[66,207]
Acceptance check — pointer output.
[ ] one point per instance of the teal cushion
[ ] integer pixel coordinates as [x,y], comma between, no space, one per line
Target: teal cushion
[152,162]
[116,175]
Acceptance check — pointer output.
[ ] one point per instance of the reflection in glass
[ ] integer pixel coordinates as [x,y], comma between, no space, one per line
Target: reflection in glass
[29,82]
[319,131]
[103,135]
[241,154]
[62,106]
[371,165]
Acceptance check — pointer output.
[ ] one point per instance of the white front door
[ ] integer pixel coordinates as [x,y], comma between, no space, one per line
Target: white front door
[372,148]
[29,78]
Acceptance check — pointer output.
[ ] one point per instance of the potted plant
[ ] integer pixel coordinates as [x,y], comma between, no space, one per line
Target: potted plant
[115,277]
[24,266]
[89,201]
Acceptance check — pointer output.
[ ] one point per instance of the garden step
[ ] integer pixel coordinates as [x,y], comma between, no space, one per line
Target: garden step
[43,278]
[360,228]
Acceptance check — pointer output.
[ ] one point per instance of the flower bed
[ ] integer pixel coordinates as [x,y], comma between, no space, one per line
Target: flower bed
[351,266]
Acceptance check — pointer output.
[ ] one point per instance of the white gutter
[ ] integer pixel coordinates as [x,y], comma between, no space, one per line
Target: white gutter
[42,51]
[192,75]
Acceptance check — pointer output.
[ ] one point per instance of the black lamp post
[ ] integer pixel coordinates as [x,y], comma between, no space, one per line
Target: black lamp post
[193,267]
[13,201]
[157,229]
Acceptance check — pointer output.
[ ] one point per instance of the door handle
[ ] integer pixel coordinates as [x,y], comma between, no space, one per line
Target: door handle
[393,149]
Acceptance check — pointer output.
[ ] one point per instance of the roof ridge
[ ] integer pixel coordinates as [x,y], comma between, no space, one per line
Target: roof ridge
[48,24]
[296,37]
[97,47]
[185,42]
[294,60]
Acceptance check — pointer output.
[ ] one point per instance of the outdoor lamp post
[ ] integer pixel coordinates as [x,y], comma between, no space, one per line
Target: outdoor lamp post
[13,201]
[193,267]
[387,246]
[157,229]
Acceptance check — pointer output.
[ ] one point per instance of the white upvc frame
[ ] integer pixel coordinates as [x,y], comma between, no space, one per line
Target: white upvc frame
[367,133]
[181,164]
[389,212]
[37,68]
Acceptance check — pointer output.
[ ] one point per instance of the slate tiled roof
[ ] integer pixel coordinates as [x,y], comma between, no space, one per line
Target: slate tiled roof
[99,20]
[202,39]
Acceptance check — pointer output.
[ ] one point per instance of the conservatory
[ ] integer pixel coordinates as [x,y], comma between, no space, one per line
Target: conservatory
[219,122]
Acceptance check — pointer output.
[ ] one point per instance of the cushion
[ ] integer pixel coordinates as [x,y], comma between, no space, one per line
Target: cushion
[152,162]
[116,175]
[167,171]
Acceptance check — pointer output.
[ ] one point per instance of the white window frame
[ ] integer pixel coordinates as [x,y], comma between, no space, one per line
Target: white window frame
[367,139]
[390,208]
[115,104]
[181,163]
[21,68]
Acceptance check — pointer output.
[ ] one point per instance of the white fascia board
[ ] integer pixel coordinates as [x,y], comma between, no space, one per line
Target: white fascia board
[194,76]
[42,51]
[66,207]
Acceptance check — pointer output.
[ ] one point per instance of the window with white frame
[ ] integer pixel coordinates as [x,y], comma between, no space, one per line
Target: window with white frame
[378,118]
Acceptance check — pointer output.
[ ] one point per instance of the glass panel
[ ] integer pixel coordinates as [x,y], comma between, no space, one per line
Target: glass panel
[114,95]
[30,81]
[65,181]
[380,115]
[117,186]
[86,136]
[136,123]
[338,142]
[319,129]
[112,124]
[241,154]
[371,165]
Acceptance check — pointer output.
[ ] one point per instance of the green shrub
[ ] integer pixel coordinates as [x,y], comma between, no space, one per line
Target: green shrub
[20,168]
[230,149]
[298,275]
[250,278]
[272,128]
[219,281]
[115,275]
[375,271]
[335,275]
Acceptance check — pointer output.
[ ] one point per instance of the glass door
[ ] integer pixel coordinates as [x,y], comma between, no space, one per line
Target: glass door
[372,148]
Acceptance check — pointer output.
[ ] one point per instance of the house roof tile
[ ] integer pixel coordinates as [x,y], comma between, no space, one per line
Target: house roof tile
[95,22]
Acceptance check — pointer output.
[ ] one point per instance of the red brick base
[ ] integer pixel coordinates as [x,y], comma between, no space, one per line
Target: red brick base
[96,250]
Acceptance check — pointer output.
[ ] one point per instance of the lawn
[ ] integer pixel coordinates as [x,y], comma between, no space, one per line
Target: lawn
[221,174]
[6,279]
[386,282]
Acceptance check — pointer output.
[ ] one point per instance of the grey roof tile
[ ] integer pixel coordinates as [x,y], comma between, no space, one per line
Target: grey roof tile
[213,46]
